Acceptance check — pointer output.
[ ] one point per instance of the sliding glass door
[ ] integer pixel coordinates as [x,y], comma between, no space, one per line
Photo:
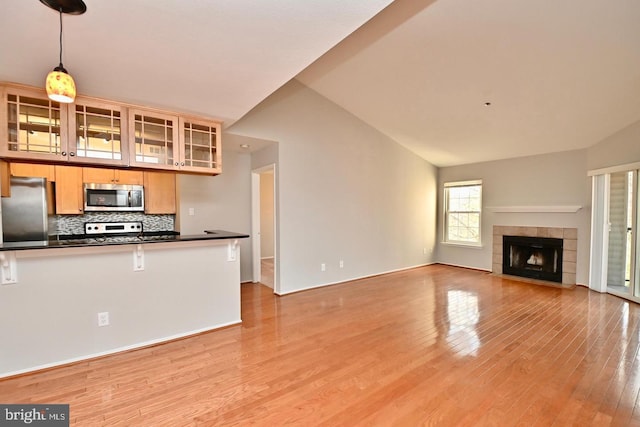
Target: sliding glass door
[622,264]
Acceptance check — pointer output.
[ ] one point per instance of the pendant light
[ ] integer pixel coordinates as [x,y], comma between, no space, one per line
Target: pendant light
[59,84]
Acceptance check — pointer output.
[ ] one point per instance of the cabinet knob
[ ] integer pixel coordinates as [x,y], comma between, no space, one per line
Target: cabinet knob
[182,164]
[72,154]
[177,164]
[64,153]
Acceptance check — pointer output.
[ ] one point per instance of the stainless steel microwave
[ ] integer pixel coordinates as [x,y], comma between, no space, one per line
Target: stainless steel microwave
[113,197]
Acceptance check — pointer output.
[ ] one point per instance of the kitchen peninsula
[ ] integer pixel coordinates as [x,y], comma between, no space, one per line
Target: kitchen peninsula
[73,174]
[147,291]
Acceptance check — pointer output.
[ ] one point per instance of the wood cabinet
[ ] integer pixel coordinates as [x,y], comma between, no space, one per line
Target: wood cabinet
[69,197]
[33,127]
[100,132]
[200,149]
[5,179]
[159,192]
[172,142]
[41,171]
[155,139]
[33,169]
[111,176]
[36,128]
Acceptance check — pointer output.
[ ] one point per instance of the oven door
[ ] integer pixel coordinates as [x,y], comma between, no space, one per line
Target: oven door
[111,197]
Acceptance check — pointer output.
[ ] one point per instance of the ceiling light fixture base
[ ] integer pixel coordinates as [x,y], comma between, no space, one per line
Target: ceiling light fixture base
[71,7]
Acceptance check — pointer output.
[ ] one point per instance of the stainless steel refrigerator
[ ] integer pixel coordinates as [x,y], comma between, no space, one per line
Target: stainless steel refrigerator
[24,214]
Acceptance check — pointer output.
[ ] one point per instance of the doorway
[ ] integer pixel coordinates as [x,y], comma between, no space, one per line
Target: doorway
[263,213]
[622,268]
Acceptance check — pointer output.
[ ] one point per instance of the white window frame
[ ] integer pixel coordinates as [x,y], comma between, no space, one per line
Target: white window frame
[445,237]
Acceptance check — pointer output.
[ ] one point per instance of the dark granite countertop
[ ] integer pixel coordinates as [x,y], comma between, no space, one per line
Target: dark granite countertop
[81,240]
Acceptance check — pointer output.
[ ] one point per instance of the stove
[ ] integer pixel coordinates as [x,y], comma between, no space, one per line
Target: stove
[115,232]
[131,228]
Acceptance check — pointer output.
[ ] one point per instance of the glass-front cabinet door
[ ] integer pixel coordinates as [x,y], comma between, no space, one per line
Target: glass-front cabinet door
[155,139]
[35,126]
[200,146]
[98,133]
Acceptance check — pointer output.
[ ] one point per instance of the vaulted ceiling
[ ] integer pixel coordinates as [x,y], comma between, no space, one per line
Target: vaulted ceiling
[559,75]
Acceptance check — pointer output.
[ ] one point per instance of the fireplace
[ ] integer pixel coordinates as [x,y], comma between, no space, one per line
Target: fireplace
[569,237]
[533,257]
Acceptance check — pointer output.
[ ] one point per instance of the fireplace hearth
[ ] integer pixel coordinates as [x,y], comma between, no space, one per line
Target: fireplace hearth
[532,257]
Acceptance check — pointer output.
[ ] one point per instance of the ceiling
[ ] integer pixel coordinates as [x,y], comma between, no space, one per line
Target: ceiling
[217,58]
[559,75]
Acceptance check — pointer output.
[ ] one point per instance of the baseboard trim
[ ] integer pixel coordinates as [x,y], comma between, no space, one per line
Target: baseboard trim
[352,279]
[132,347]
[464,266]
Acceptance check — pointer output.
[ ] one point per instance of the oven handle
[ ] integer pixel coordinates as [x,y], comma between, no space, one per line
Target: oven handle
[129,198]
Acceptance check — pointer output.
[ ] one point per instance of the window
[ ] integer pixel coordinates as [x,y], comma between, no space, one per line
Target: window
[462,208]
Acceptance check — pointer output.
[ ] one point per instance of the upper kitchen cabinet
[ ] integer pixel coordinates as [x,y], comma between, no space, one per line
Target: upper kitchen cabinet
[33,170]
[92,131]
[200,146]
[159,192]
[69,195]
[33,127]
[98,132]
[155,140]
[171,142]
[112,176]
[36,128]
[5,179]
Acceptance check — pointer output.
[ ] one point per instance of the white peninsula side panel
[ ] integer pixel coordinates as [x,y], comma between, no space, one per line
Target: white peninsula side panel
[50,316]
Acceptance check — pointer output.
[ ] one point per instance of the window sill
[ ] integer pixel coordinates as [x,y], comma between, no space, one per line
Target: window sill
[463,245]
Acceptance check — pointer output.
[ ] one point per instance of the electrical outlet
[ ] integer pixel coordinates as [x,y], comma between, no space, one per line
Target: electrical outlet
[341,264]
[323,267]
[424,251]
[192,211]
[103,318]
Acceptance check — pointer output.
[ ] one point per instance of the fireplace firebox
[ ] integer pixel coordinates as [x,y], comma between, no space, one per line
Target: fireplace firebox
[533,257]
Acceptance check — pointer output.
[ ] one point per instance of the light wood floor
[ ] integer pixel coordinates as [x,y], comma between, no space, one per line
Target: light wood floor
[435,345]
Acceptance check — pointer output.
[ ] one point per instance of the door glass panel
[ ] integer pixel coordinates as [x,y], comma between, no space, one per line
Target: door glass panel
[200,145]
[98,133]
[34,125]
[154,140]
[623,200]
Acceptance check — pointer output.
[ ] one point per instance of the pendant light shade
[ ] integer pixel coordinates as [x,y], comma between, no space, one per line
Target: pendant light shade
[59,84]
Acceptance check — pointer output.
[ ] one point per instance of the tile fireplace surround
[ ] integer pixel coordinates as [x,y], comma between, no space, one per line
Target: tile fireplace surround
[569,238]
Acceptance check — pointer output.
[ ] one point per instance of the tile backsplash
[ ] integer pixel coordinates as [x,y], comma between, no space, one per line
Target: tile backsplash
[74,224]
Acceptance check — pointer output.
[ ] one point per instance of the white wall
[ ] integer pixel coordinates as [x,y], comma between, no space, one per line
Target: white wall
[220,202]
[345,191]
[558,179]
[621,148]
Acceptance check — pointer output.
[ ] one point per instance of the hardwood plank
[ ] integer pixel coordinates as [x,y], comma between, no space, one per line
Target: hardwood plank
[436,345]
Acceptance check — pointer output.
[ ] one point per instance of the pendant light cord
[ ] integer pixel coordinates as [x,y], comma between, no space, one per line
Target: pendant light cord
[60,37]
